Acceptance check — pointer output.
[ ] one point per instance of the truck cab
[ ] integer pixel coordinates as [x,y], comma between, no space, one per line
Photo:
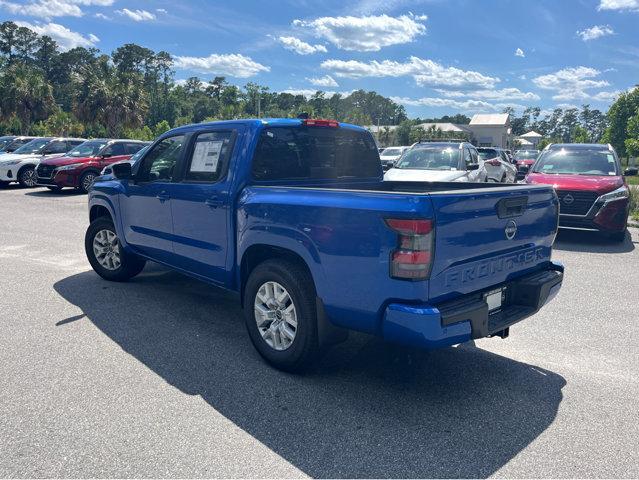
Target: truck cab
[295,217]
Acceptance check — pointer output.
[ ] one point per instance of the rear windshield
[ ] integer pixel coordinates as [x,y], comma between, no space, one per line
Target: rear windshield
[526,154]
[287,153]
[430,158]
[487,153]
[577,162]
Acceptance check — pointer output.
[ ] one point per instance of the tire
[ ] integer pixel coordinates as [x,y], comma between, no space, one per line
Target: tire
[86,180]
[618,237]
[27,176]
[127,265]
[55,189]
[303,349]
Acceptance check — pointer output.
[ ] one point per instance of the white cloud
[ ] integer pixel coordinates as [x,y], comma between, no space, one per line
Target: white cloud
[504,94]
[65,38]
[102,16]
[234,65]
[425,72]
[519,53]
[309,92]
[619,5]
[162,10]
[606,96]
[595,32]
[571,83]
[52,8]
[325,81]
[465,105]
[137,15]
[366,34]
[298,46]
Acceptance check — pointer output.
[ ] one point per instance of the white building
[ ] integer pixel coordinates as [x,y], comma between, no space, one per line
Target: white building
[491,130]
[530,139]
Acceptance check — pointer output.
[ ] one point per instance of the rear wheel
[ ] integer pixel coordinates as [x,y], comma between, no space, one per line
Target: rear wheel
[106,255]
[280,314]
[86,181]
[27,177]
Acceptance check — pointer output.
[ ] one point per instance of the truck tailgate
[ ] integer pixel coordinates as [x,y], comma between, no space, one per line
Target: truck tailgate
[486,237]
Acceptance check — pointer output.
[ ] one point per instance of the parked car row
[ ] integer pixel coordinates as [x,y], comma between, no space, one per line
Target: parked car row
[451,161]
[57,162]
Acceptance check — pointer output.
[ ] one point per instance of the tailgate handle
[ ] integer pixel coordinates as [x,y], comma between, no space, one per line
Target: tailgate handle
[512,207]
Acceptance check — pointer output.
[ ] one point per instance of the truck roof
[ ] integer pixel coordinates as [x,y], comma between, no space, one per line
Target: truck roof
[257,122]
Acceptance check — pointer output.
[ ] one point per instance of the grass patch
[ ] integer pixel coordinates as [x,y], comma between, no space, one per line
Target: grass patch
[633,180]
[634,202]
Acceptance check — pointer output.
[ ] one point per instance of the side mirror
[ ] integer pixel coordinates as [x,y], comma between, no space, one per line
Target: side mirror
[630,172]
[122,171]
[472,166]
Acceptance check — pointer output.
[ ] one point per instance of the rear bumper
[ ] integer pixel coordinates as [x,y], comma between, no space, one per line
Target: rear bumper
[467,318]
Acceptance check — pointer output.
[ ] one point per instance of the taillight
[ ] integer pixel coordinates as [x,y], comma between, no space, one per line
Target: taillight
[413,257]
[314,122]
[494,162]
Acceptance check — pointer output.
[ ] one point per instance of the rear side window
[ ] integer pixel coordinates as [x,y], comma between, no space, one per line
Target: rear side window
[210,156]
[115,150]
[58,147]
[291,153]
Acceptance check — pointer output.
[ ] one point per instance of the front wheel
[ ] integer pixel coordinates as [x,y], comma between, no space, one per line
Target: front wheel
[27,177]
[280,314]
[86,181]
[106,255]
[617,237]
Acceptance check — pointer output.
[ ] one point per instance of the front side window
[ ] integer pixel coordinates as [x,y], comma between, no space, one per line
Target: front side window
[159,164]
[288,153]
[488,153]
[211,153]
[577,162]
[431,158]
[114,150]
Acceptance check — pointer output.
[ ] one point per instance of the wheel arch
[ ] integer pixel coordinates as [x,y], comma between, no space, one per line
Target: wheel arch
[258,253]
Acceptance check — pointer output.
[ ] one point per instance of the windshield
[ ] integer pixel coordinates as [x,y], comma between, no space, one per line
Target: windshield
[34,146]
[392,152]
[577,162]
[487,154]
[5,141]
[87,149]
[431,158]
[136,156]
[526,154]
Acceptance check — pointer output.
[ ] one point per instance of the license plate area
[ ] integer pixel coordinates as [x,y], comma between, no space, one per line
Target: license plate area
[495,299]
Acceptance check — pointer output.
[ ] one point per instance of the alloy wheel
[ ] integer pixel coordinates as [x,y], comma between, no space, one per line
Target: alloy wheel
[106,248]
[275,315]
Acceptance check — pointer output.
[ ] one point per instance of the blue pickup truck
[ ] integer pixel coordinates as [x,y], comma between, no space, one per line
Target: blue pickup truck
[295,217]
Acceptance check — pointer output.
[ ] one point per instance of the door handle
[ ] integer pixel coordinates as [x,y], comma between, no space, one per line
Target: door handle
[213,202]
[162,196]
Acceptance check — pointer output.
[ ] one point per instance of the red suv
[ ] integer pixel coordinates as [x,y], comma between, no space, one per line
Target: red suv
[524,160]
[79,167]
[592,191]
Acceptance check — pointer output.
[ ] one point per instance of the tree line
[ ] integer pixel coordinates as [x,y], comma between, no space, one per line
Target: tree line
[133,93]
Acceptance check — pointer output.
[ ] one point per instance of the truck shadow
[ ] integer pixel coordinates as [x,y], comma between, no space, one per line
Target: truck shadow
[368,410]
[591,242]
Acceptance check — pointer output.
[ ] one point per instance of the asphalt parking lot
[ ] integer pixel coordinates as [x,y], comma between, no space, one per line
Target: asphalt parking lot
[157,377]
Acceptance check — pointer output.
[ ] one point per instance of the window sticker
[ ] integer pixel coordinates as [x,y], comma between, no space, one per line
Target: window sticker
[206,156]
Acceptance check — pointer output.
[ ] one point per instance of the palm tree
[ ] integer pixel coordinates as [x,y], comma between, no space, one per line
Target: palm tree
[25,93]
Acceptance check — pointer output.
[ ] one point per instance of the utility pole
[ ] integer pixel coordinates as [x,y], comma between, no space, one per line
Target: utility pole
[259,106]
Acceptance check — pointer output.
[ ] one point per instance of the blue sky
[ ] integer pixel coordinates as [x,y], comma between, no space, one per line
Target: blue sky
[433,56]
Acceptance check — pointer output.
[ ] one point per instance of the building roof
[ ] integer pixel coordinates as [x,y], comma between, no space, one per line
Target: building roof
[445,127]
[524,143]
[532,134]
[490,119]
